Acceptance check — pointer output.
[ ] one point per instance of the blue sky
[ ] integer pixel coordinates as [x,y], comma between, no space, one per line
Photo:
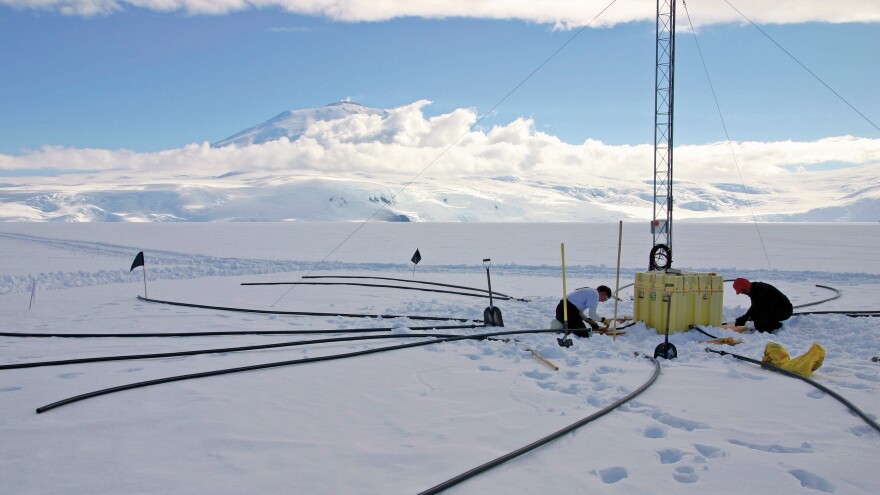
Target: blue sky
[149,80]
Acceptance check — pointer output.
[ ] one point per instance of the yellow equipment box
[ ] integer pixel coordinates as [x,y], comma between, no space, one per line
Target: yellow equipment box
[687,299]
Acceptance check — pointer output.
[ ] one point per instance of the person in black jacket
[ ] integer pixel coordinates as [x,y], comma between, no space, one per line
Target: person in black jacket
[769,306]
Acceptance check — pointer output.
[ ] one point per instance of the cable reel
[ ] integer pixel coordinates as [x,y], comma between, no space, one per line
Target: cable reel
[660,258]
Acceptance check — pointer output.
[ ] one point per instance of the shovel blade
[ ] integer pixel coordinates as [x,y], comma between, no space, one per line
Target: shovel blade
[666,351]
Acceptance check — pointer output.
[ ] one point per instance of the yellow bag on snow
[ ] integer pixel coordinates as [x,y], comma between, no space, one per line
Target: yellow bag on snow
[803,365]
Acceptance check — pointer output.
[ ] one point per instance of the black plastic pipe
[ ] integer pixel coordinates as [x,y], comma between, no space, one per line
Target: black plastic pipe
[300,313]
[231,332]
[549,438]
[821,387]
[331,357]
[416,282]
[216,351]
[851,314]
[377,285]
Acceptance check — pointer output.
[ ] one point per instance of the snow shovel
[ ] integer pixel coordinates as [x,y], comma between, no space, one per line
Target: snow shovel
[666,350]
[492,314]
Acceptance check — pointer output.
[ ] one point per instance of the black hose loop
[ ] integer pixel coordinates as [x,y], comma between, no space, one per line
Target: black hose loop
[298,313]
[225,350]
[227,371]
[230,332]
[841,399]
[553,436]
[385,286]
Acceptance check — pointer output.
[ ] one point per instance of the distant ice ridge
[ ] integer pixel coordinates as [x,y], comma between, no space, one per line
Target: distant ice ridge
[293,123]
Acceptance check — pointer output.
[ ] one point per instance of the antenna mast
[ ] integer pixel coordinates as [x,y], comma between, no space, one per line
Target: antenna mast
[664,82]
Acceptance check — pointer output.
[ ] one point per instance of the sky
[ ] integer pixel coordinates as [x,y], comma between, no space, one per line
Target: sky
[147,76]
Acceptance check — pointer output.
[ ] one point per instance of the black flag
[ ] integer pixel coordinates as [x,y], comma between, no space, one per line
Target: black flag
[138,261]
[416,257]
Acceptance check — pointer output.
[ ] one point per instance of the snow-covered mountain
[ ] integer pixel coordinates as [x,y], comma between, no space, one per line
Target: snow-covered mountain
[293,123]
[347,162]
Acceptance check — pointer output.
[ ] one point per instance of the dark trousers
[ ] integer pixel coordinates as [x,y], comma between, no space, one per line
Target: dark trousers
[768,321]
[575,323]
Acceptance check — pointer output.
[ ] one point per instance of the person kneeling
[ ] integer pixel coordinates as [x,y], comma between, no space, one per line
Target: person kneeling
[769,309]
[581,306]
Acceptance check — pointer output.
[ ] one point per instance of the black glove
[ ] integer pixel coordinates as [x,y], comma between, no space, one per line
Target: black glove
[740,321]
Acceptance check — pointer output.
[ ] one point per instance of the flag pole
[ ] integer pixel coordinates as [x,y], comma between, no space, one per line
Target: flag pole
[139,261]
[33,294]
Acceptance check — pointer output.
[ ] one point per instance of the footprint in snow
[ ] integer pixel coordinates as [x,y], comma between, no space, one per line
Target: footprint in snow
[805,447]
[130,370]
[606,369]
[570,389]
[709,452]
[863,431]
[813,481]
[669,456]
[487,368]
[537,375]
[734,373]
[868,377]
[679,423]
[9,389]
[68,376]
[654,432]
[613,474]
[816,394]
[686,474]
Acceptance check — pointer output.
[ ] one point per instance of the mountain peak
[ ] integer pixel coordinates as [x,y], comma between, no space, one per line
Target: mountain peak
[293,123]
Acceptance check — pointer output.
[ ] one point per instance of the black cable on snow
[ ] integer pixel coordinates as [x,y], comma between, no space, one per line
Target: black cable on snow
[496,293]
[216,351]
[331,357]
[850,405]
[301,313]
[231,332]
[697,328]
[852,314]
[384,286]
[538,443]
[835,296]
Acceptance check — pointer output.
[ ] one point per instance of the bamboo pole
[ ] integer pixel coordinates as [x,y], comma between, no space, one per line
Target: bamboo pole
[617,283]
[543,359]
[564,292]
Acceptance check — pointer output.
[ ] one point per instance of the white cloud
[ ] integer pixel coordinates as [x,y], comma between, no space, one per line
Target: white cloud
[405,142]
[560,13]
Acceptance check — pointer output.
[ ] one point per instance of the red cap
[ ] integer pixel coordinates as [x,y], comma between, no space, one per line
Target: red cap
[741,285]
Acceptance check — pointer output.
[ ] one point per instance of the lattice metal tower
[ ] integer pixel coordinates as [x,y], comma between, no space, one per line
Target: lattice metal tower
[664,82]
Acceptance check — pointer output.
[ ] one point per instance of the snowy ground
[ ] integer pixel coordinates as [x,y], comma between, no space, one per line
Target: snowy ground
[405,420]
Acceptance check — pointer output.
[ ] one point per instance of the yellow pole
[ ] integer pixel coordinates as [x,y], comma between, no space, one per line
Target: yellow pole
[564,292]
[617,284]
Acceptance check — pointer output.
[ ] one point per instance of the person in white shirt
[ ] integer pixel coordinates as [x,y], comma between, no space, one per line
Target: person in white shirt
[582,305]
